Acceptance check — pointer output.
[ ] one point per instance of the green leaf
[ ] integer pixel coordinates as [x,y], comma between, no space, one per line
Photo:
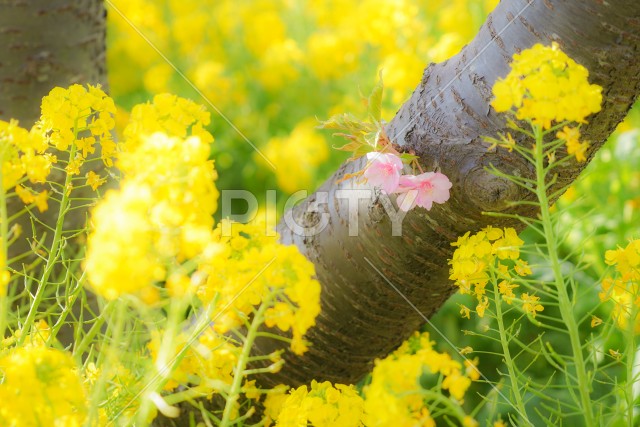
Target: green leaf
[363,135]
[354,145]
[349,146]
[362,150]
[347,122]
[408,158]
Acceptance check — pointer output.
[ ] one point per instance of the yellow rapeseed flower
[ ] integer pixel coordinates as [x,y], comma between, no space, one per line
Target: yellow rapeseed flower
[94,180]
[252,267]
[279,65]
[40,387]
[394,396]
[66,113]
[23,155]
[530,304]
[168,114]
[162,213]
[121,258]
[571,136]
[457,384]
[331,55]
[490,254]
[475,254]
[545,86]
[506,289]
[321,405]
[623,288]
[465,312]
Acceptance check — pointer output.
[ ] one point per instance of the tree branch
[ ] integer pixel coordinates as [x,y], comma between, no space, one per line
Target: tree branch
[363,317]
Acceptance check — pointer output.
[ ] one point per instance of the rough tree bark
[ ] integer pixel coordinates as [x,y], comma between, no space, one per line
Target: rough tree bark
[363,317]
[47,43]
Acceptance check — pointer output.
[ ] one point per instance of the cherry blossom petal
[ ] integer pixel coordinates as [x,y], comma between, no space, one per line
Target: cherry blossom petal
[383,171]
[422,190]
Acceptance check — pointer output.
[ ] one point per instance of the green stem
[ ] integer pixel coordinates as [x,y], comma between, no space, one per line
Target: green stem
[106,361]
[70,300]
[188,394]
[565,305]
[4,247]
[451,408]
[167,359]
[630,354]
[241,365]
[56,246]
[88,339]
[506,353]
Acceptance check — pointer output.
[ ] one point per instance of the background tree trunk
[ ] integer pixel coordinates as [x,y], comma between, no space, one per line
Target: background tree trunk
[363,317]
[47,43]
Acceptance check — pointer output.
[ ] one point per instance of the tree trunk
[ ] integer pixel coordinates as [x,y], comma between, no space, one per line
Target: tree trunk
[47,43]
[363,316]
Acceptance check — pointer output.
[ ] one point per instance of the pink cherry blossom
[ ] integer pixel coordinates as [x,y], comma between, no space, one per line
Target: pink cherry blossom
[422,190]
[383,170]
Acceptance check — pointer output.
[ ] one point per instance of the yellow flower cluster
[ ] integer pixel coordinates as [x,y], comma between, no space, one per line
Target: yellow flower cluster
[321,405]
[168,114]
[71,120]
[76,116]
[40,387]
[161,215]
[121,258]
[211,359]
[624,288]
[296,156]
[492,253]
[396,395]
[571,136]
[23,156]
[545,85]
[253,268]
[38,336]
